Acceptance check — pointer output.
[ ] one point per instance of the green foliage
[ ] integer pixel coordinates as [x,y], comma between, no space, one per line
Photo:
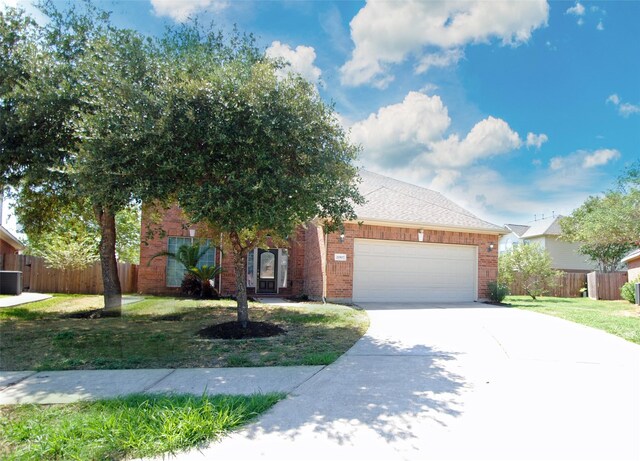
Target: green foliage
[529,266]
[628,290]
[70,239]
[264,153]
[78,121]
[187,255]
[62,251]
[497,291]
[134,426]
[608,226]
[204,275]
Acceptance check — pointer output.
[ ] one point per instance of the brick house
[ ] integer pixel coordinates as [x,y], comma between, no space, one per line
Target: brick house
[9,244]
[409,244]
[633,264]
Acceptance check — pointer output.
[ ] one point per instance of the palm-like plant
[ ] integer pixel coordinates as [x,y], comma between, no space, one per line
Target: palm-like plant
[205,274]
[187,255]
[193,283]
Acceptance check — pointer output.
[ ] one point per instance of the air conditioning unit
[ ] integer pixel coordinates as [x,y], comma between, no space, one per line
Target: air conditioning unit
[10,282]
[638,294]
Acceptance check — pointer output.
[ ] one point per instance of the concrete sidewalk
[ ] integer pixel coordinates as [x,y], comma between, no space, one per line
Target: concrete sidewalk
[47,387]
[23,298]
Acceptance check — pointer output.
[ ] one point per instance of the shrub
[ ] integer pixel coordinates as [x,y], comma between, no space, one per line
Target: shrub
[628,290]
[497,291]
[529,266]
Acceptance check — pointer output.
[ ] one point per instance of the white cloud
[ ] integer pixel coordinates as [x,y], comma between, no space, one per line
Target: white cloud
[627,109]
[301,60]
[444,59]
[488,138]
[582,159]
[536,140]
[577,9]
[624,108]
[385,33]
[600,157]
[396,132]
[614,98]
[600,26]
[414,132]
[181,10]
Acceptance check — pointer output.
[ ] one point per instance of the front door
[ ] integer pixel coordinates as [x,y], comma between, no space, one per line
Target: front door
[267,271]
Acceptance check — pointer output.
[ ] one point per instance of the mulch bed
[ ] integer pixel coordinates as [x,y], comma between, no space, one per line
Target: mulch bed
[493,303]
[234,330]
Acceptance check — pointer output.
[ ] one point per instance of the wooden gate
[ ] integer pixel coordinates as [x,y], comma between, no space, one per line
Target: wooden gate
[605,285]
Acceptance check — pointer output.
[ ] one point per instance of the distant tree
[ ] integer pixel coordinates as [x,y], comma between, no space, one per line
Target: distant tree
[70,239]
[608,226]
[264,154]
[530,267]
[78,118]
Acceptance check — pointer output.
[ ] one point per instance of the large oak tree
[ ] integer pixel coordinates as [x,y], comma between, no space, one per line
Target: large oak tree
[262,153]
[79,105]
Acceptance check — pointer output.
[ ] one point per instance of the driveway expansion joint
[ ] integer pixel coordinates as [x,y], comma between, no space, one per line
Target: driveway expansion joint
[151,386]
[17,381]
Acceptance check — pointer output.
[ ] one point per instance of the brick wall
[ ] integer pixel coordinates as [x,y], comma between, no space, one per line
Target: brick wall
[340,273]
[7,248]
[633,269]
[314,262]
[306,260]
[152,278]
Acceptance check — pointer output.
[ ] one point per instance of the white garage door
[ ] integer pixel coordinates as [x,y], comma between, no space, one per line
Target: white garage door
[413,272]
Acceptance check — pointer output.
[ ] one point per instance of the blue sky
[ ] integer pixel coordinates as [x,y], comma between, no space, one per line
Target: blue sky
[511,109]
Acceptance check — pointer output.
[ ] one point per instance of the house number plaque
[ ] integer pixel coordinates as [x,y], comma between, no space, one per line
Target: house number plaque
[340,257]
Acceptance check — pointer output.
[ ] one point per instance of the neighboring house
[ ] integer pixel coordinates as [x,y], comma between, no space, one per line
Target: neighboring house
[9,244]
[408,244]
[512,238]
[633,264]
[546,233]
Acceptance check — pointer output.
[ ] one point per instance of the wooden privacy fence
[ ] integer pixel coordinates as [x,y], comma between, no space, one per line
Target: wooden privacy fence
[606,285]
[566,285]
[36,277]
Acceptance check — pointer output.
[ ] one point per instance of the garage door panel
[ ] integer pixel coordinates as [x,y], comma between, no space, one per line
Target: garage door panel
[402,271]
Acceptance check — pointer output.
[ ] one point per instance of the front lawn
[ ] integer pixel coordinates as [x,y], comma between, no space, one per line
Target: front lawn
[126,427]
[162,332]
[616,317]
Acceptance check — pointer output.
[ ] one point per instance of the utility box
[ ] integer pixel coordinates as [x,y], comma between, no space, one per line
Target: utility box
[638,294]
[10,282]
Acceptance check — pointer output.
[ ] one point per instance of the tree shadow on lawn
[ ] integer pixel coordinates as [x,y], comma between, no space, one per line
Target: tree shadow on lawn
[378,386]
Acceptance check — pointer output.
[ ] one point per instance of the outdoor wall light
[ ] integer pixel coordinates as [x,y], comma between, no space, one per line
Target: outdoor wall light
[192,233]
[490,248]
[420,235]
[342,238]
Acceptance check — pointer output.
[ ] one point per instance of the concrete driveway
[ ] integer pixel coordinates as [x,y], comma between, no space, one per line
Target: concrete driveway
[464,381]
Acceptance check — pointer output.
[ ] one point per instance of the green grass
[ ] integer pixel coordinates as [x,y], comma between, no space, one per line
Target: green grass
[616,317]
[36,337]
[132,426]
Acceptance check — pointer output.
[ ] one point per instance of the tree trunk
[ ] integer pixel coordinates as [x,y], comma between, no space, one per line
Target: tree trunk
[241,288]
[110,279]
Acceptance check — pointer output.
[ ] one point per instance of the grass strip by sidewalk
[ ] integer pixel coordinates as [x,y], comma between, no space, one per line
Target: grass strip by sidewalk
[619,318]
[133,426]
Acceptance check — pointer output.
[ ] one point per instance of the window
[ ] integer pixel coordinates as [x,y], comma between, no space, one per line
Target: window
[175,270]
